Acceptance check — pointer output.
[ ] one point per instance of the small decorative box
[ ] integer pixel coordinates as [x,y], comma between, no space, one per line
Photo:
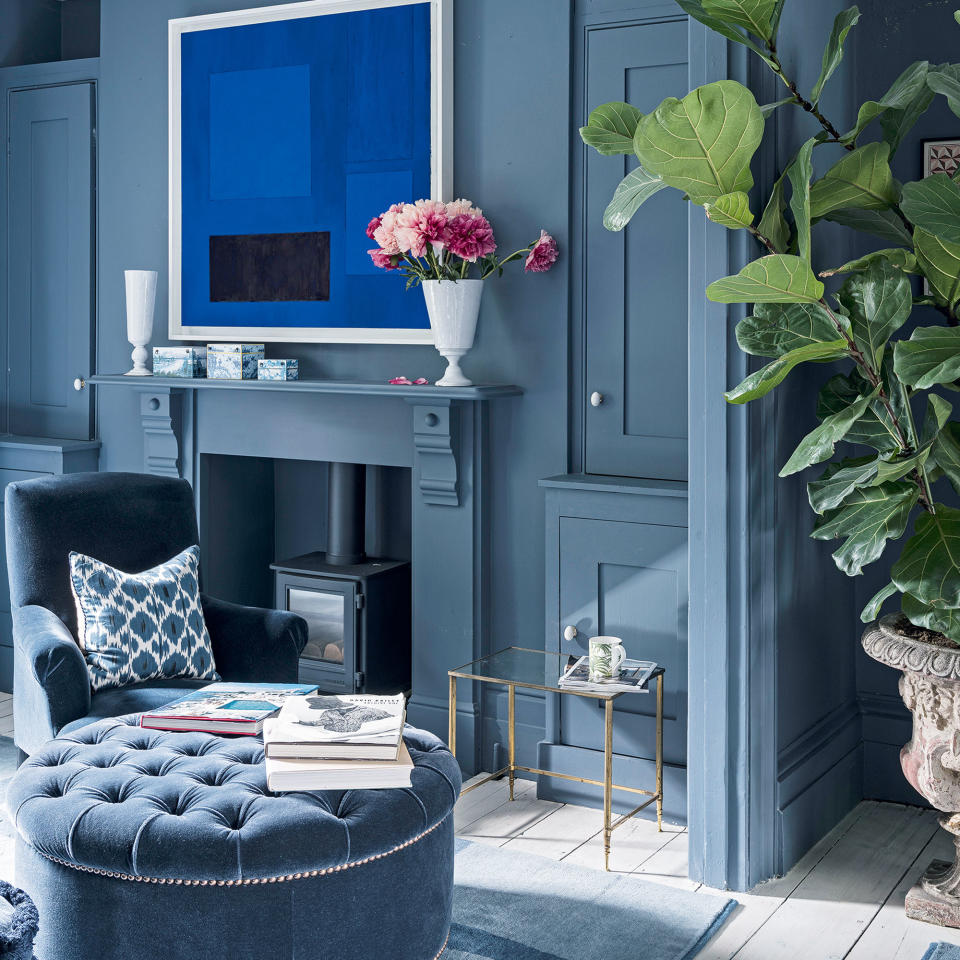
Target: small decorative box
[180,362]
[278,370]
[233,361]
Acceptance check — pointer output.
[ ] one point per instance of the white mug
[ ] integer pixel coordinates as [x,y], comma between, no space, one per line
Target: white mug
[606,656]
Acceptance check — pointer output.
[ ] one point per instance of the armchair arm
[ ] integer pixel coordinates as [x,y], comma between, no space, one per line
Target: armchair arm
[50,677]
[254,644]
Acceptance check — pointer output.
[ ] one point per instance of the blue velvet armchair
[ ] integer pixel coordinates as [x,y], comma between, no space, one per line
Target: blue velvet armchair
[131,521]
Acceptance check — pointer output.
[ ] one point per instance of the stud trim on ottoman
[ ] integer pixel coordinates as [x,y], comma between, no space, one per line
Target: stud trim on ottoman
[131,841]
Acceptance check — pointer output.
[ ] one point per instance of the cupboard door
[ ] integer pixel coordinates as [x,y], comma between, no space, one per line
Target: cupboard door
[627,580]
[51,259]
[635,281]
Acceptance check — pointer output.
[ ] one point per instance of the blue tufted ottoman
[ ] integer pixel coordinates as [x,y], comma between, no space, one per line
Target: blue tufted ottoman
[142,845]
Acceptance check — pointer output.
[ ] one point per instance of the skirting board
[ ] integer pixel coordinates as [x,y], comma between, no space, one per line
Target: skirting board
[630,771]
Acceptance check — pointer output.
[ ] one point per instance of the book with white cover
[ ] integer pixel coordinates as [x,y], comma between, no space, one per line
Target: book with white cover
[328,726]
[284,774]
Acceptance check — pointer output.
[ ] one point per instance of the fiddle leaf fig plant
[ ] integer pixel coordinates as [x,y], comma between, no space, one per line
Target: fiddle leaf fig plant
[886,440]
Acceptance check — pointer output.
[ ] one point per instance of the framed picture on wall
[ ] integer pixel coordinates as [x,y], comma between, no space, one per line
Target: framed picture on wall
[291,127]
[941,156]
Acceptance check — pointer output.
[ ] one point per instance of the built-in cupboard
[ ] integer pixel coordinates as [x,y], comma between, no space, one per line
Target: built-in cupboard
[616,524]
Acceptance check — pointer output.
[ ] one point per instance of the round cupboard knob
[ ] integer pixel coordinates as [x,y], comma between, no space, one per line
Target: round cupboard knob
[79,383]
[596,398]
[569,633]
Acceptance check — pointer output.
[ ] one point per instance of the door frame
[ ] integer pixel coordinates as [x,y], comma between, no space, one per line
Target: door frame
[732,665]
[28,77]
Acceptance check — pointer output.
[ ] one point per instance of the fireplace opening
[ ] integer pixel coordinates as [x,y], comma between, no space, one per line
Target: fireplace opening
[329,541]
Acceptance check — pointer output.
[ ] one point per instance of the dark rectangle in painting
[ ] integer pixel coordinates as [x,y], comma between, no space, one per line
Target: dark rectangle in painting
[264,267]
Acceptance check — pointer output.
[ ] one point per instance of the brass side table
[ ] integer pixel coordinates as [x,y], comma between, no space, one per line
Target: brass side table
[541,670]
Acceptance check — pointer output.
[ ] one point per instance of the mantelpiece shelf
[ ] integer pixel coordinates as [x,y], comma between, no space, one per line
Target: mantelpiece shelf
[372,388]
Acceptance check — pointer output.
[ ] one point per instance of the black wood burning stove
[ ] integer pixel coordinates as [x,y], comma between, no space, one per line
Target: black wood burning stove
[357,608]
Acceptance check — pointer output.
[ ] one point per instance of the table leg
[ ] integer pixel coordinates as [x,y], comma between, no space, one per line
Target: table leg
[607,781]
[511,722]
[659,787]
[452,717]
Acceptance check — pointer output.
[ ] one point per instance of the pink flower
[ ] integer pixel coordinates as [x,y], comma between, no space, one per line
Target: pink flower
[543,254]
[383,259]
[457,207]
[384,233]
[372,227]
[419,224]
[470,237]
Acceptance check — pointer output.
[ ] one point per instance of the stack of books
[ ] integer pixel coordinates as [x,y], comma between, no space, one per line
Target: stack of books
[225,708]
[633,677]
[328,742]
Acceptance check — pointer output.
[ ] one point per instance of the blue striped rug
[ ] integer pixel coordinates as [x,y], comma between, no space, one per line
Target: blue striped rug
[515,906]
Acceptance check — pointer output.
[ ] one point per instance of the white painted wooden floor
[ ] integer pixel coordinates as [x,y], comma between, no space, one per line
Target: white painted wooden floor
[843,900]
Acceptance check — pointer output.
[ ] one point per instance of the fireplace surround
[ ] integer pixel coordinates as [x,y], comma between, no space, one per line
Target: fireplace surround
[439,434]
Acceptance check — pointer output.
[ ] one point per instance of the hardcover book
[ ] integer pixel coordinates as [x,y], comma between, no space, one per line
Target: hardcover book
[225,708]
[284,774]
[353,727]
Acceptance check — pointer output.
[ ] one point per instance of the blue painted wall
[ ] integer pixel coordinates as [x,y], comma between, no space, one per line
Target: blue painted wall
[512,125]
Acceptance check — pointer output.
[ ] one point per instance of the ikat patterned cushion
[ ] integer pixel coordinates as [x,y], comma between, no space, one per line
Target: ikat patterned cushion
[141,626]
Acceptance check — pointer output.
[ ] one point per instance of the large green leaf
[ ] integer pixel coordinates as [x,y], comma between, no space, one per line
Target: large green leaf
[940,262]
[930,356]
[945,79]
[945,620]
[934,205]
[935,419]
[761,382]
[777,328]
[878,300]
[731,210]
[907,97]
[752,15]
[896,124]
[896,256]
[872,610]
[881,223]
[703,143]
[799,172]
[773,225]
[868,517]
[819,444]
[611,127]
[889,470]
[875,428]
[861,179]
[839,480]
[833,53]
[778,278]
[946,451]
[929,565]
[634,189]
[694,8]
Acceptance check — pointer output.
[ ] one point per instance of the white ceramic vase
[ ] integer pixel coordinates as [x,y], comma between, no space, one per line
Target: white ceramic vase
[453,307]
[141,298]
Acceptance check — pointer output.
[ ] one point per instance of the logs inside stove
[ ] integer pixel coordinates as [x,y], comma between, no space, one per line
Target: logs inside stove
[357,608]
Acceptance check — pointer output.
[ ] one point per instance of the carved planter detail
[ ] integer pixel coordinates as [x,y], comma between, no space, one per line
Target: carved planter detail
[930,687]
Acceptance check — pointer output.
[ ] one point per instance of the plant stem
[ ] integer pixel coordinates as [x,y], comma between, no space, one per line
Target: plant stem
[777,67]
[875,380]
[764,240]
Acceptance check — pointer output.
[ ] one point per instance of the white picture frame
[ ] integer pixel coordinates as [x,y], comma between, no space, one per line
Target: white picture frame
[441,160]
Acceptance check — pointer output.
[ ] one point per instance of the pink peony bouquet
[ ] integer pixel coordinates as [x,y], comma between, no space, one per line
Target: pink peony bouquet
[432,240]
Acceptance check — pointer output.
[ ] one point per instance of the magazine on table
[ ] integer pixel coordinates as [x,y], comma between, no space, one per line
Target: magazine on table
[633,677]
[225,707]
[291,774]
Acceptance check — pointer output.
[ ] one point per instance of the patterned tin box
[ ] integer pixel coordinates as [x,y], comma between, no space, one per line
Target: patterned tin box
[233,361]
[278,370]
[180,362]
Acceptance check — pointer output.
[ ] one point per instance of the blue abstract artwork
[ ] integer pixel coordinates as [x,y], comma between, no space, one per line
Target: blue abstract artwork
[292,128]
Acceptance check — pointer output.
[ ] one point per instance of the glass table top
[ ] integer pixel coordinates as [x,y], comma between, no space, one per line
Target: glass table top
[540,669]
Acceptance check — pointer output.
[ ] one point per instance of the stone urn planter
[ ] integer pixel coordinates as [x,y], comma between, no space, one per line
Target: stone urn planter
[930,687]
